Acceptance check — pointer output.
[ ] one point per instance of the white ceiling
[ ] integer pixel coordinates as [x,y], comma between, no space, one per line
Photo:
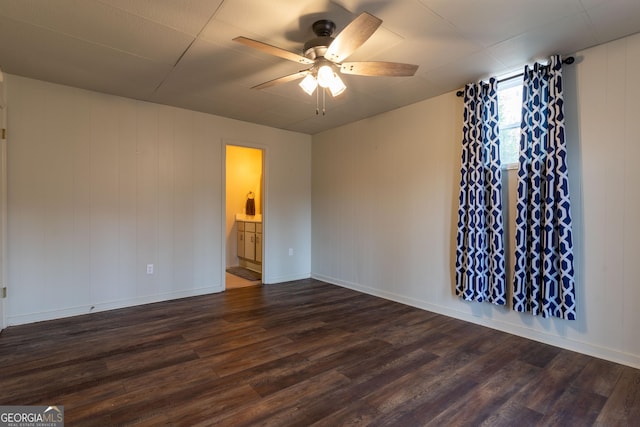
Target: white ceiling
[180,52]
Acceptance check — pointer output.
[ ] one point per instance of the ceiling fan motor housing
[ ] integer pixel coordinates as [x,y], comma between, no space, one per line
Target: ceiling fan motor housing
[323,28]
[317,47]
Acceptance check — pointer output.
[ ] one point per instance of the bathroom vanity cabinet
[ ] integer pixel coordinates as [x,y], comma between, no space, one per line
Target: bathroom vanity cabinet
[249,237]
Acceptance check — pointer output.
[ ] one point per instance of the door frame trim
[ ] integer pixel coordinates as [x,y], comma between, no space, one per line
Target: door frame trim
[3,202]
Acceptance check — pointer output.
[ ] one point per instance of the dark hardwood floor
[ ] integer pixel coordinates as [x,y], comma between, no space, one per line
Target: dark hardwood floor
[301,354]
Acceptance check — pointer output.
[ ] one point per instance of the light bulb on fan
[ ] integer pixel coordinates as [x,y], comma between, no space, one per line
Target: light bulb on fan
[325,76]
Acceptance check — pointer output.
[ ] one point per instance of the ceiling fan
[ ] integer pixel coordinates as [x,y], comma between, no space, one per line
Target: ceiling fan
[325,55]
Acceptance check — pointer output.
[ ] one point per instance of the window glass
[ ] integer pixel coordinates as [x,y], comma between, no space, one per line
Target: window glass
[509,111]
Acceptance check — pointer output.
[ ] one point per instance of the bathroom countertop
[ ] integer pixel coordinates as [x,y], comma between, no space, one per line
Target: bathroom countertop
[249,218]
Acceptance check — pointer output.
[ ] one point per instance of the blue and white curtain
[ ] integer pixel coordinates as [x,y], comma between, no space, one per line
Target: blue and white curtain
[544,273]
[480,272]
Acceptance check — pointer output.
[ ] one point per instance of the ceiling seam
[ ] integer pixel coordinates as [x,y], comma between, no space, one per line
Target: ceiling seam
[89,42]
[184,52]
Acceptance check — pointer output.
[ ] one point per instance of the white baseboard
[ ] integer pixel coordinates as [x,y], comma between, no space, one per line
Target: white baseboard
[589,349]
[282,279]
[111,305]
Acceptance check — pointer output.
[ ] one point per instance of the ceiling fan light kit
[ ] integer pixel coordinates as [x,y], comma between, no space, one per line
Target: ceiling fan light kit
[336,86]
[309,84]
[325,55]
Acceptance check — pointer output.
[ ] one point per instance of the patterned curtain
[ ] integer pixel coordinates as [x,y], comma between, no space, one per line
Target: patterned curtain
[544,274]
[480,272]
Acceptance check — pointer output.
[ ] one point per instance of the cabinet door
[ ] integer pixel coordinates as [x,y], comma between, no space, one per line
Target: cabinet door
[258,247]
[249,245]
[240,243]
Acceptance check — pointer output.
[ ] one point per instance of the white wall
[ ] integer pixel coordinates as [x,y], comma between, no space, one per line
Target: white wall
[100,186]
[385,197]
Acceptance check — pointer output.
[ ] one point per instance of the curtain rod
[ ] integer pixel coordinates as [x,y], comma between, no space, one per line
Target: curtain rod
[567,60]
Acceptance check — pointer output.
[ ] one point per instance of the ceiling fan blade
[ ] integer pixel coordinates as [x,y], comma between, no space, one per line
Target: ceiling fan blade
[375,68]
[284,79]
[273,50]
[352,37]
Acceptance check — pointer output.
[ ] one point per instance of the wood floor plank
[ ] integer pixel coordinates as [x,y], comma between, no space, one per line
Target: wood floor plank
[427,403]
[399,360]
[304,353]
[317,366]
[488,397]
[623,406]
[249,356]
[513,414]
[282,408]
[357,414]
[575,407]
[599,376]
[543,392]
[430,376]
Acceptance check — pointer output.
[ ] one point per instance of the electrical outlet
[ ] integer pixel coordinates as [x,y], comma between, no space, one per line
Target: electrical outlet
[290,251]
[149,268]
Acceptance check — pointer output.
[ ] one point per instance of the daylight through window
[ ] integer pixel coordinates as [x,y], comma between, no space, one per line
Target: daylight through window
[509,116]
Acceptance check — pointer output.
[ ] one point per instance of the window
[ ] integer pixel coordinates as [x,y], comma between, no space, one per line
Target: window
[510,113]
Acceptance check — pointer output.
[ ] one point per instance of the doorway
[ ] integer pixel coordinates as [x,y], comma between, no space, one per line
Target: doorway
[244,207]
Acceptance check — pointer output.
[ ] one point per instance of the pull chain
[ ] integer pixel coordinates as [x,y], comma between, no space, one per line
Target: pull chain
[324,93]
